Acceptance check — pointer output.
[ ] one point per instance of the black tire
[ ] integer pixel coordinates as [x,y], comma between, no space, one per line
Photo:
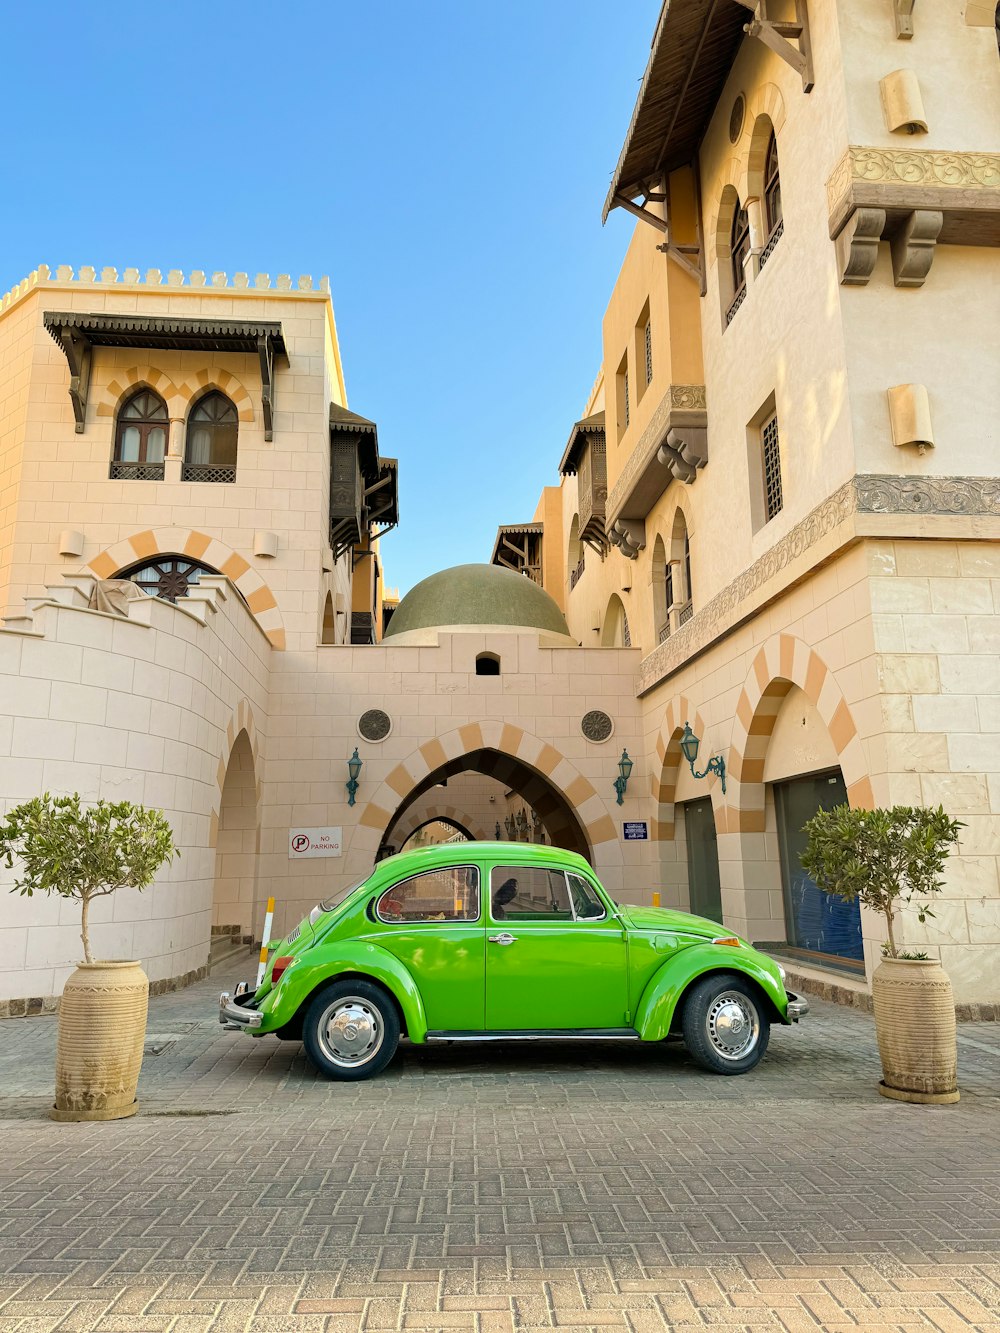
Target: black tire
[351,1030]
[725,1024]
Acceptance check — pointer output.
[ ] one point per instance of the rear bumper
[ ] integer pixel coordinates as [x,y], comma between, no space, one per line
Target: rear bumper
[233,1014]
[798,1007]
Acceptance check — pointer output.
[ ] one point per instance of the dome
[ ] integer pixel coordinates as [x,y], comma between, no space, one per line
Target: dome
[477,595]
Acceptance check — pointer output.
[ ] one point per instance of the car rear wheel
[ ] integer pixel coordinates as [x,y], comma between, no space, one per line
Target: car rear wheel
[726,1028]
[351,1030]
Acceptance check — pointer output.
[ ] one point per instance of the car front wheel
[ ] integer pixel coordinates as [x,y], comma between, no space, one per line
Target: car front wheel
[351,1030]
[725,1026]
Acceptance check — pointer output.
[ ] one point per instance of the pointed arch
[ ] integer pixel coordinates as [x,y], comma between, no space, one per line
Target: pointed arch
[206,550]
[780,663]
[615,629]
[668,756]
[506,740]
[114,394]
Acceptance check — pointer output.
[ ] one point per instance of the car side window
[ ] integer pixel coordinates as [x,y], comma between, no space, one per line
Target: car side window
[585,901]
[529,893]
[450,894]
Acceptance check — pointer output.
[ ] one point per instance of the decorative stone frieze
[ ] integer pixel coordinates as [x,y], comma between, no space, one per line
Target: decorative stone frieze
[673,446]
[864,494]
[914,198]
[153,278]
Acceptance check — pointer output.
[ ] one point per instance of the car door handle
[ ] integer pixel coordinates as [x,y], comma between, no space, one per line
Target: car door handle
[503,938]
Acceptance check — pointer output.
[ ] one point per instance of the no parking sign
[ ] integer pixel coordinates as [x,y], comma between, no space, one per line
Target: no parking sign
[306,842]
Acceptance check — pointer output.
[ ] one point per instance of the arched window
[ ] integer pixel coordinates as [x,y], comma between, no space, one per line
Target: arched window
[574,553]
[210,453]
[168,576]
[141,438]
[663,590]
[772,201]
[615,632]
[739,248]
[680,556]
[487,664]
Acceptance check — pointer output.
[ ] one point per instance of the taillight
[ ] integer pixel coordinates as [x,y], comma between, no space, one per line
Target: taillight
[279,966]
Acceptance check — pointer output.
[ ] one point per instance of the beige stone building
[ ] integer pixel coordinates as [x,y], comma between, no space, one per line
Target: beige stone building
[776,520]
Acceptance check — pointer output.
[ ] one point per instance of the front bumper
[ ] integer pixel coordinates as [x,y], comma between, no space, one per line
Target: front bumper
[233,1014]
[798,1007]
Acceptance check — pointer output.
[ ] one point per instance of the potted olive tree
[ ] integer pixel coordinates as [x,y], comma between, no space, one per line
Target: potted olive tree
[85,853]
[887,859]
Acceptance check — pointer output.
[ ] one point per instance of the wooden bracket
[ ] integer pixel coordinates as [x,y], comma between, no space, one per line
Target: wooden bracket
[912,247]
[77,351]
[903,10]
[691,258]
[778,37]
[265,351]
[641,210]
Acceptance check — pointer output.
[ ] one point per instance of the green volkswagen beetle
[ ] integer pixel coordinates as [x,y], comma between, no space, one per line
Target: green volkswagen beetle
[484,941]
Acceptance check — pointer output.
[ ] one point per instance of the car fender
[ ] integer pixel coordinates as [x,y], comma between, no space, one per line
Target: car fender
[320,965]
[655,1011]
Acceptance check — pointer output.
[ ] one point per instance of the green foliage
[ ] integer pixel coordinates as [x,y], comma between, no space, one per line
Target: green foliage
[84,852]
[881,857]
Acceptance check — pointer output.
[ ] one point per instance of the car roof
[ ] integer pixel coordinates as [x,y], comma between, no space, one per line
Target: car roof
[461,853]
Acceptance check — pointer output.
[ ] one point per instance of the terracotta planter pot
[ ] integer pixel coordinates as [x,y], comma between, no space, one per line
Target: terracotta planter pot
[915,1026]
[102,1026]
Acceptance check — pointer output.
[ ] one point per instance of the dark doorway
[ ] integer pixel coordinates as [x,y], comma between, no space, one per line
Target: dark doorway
[703,859]
[816,921]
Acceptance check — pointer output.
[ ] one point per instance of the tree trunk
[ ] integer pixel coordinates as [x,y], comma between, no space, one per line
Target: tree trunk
[85,931]
[892,938]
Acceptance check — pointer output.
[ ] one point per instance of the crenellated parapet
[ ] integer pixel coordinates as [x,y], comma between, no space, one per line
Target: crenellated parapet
[87,276]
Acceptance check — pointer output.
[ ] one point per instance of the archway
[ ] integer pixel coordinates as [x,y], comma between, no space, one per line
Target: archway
[234,898]
[615,632]
[554,813]
[432,832]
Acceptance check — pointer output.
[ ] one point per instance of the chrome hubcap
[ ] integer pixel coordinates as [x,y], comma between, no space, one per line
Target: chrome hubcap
[351,1031]
[733,1025]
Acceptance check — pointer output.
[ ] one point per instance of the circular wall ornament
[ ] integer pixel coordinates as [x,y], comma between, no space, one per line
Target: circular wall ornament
[736,118]
[374,725]
[597,726]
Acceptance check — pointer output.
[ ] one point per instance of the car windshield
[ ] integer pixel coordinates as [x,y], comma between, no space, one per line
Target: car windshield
[335,899]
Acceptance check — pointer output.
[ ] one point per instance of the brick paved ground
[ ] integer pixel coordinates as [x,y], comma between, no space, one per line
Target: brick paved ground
[499,1189]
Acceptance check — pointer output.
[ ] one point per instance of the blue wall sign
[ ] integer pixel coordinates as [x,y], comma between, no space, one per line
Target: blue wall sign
[637,831]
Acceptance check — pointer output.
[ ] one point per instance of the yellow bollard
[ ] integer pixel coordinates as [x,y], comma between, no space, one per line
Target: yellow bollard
[656,898]
[265,937]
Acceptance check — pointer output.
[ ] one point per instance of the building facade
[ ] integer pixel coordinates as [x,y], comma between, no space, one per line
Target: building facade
[775,522]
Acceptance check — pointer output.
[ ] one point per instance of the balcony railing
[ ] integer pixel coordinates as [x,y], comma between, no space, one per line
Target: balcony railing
[772,241]
[664,633]
[207,472]
[685,613]
[736,302]
[575,575]
[136,471]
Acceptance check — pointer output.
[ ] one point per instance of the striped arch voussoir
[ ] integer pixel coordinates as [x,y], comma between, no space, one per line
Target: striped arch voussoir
[780,663]
[223,380]
[241,720]
[510,743]
[668,756]
[125,384]
[450,814]
[210,551]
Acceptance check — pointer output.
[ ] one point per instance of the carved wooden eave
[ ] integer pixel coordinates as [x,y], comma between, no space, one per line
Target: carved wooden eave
[381,499]
[915,199]
[674,446]
[518,547]
[585,456]
[77,333]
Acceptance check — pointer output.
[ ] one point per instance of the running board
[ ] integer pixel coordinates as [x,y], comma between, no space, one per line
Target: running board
[537,1034]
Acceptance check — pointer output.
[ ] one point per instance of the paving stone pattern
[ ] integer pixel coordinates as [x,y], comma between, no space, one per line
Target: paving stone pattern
[499,1188]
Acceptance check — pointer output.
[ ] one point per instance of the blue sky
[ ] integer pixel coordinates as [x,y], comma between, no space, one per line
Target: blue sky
[444,162]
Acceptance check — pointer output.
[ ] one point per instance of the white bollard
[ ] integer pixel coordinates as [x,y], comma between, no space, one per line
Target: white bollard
[268,919]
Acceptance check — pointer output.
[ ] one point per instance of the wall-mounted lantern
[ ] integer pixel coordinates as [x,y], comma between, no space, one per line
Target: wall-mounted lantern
[497,835]
[522,826]
[689,746]
[621,781]
[510,826]
[353,768]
